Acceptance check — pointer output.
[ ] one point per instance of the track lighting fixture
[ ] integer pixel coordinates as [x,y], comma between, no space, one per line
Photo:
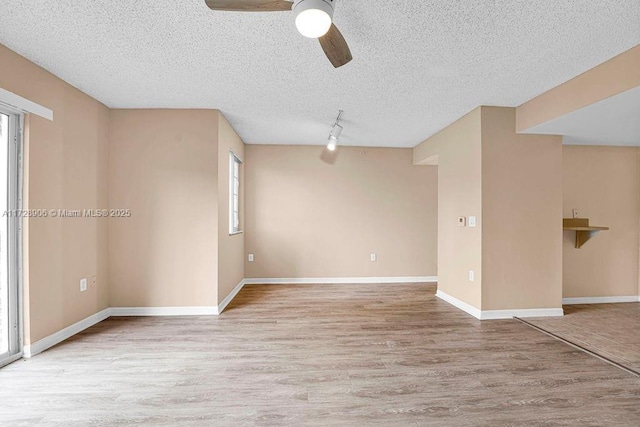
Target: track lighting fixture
[336,131]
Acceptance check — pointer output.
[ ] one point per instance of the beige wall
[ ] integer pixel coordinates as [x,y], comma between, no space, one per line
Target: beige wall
[521,210]
[163,166]
[610,78]
[459,151]
[308,216]
[231,247]
[160,164]
[511,183]
[65,168]
[603,183]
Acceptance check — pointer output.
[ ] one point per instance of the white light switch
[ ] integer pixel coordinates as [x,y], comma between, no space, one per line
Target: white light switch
[83,285]
[374,257]
[472,221]
[250,257]
[472,275]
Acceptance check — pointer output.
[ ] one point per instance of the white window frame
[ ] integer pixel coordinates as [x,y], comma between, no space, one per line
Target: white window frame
[235,164]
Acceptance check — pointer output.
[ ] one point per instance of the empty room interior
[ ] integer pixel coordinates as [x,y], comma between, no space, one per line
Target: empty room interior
[320,212]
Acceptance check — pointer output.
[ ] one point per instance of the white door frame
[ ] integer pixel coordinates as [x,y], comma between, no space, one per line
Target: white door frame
[15,272]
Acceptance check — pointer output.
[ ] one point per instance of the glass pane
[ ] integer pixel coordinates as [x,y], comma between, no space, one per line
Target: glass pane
[4,262]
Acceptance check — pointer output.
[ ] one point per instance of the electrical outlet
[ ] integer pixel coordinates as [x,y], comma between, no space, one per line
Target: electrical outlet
[250,257]
[472,221]
[574,212]
[374,257]
[83,285]
[472,275]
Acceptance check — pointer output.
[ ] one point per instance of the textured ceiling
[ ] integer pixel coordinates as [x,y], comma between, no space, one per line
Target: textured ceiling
[418,65]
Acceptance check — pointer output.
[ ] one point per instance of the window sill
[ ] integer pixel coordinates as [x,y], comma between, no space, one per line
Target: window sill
[236,232]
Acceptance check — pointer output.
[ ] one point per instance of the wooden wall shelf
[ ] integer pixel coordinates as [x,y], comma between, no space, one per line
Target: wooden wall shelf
[583,230]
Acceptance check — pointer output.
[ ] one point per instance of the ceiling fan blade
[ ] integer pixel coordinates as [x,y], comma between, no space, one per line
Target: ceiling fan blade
[250,5]
[336,47]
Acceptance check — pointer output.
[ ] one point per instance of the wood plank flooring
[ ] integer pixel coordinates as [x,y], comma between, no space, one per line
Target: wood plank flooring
[318,355]
[610,330]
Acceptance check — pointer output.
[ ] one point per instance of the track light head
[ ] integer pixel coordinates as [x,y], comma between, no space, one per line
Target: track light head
[336,131]
[333,143]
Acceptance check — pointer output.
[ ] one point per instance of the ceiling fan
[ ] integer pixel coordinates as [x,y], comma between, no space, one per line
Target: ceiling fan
[313,20]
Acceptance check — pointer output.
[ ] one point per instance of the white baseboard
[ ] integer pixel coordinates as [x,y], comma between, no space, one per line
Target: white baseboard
[231,296]
[68,332]
[340,280]
[498,314]
[525,312]
[56,338]
[163,311]
[467,308]
[600,300]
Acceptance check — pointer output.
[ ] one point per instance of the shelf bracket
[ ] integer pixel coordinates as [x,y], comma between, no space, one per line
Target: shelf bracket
[583,237]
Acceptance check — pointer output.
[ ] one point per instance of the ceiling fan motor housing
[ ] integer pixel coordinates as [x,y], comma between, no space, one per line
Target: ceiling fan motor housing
[324,5]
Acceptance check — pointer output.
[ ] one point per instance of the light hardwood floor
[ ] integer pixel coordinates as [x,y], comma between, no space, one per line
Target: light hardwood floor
[610,330]
[352,355]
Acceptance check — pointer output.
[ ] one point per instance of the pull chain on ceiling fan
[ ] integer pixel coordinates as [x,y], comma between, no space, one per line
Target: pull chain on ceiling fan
[313,18]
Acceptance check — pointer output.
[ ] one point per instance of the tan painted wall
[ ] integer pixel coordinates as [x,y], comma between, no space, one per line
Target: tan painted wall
[610,78]
[603,183]
[522,211]
[459,152]
[231,247]
[163,166]
[307,217]
[65,168]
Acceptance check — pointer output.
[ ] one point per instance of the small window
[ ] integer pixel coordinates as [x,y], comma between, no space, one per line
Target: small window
[234,193]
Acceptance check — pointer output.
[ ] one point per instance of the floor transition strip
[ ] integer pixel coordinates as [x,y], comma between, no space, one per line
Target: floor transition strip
[579,347]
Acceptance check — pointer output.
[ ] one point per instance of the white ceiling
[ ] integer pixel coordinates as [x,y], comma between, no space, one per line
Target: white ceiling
[418,65]
[612,121]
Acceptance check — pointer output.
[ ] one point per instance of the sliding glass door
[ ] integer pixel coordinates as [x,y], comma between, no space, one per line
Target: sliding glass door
[10,223]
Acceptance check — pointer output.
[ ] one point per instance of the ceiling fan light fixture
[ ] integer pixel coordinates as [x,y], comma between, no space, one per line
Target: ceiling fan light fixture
[313,17]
